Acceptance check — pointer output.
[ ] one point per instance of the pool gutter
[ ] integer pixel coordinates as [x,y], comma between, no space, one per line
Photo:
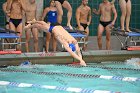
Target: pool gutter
[64,57]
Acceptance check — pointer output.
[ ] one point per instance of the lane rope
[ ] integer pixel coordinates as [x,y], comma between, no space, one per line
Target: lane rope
[61,88]
[121,78]
[77,66]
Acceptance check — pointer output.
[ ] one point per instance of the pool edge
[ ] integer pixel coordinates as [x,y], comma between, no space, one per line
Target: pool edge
[65,58]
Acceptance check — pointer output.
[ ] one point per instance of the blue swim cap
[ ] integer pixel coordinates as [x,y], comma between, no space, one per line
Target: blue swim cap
[72,46]
[25,63]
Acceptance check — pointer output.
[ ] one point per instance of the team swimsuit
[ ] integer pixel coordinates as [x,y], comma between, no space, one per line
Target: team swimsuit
[83,25]
[16,22]
[104,24]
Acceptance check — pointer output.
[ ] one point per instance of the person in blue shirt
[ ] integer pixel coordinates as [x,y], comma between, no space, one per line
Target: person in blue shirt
[51,14]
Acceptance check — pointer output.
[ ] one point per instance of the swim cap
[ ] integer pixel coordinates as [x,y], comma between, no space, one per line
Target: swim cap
[72,46]
[25,63]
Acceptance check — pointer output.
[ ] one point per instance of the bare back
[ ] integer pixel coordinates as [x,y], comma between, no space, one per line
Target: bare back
[16,10]
[84,12]
[106,12]
[62,35]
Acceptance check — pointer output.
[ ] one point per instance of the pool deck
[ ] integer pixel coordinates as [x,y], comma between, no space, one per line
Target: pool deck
[64,57]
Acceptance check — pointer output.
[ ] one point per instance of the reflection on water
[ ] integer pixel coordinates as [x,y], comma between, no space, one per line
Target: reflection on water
[134,62]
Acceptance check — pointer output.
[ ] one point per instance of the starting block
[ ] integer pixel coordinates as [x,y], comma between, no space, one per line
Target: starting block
[130,48]
[131,41]
[10,52]
[5,36]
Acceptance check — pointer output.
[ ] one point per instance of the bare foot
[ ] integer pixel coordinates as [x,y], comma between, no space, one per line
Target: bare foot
[122,30]
[47,51]
[82,62]
[70,27]
[128,30]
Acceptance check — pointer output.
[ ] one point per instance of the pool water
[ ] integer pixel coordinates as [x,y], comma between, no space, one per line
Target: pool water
[95,78]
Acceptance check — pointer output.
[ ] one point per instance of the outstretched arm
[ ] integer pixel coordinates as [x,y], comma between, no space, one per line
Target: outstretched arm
[38,24]
[73,54]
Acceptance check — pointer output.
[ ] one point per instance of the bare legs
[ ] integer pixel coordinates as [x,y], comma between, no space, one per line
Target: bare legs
[35,36]
[54,43]
[99,37]
[67,6]
[48,37]
[128,6]
[18,29]
[108,35]
[28,35]
[126,13]
[87,34]
[60,11]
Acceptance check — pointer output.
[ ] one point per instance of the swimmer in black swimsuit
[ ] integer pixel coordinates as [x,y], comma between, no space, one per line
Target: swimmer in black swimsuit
[106,10]
[83,19]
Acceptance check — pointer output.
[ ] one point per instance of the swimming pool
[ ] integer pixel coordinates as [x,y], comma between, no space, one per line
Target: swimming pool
[105,77]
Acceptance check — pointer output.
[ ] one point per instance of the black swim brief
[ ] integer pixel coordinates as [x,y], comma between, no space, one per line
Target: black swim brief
[83,25]
[16,22]
[27,23]
[61,1]
[104,24]
[7,23]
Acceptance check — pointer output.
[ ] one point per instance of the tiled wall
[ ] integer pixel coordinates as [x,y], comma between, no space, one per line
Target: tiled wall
[135,18]
[2,17]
